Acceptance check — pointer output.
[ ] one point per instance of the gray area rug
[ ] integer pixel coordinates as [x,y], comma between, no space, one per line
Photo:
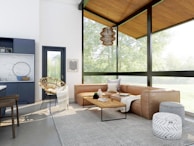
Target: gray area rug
[83,127]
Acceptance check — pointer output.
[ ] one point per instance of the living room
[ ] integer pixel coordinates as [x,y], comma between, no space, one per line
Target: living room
[59,23]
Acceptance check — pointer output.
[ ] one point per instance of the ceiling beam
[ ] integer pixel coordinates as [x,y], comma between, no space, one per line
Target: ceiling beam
[82,4]
[85,2]
[138,11]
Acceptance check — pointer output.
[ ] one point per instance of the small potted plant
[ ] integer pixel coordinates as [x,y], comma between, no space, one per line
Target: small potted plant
[95,96]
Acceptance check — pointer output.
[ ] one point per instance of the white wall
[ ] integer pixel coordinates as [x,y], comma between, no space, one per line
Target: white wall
[50,23]
[61,25]
[19,18]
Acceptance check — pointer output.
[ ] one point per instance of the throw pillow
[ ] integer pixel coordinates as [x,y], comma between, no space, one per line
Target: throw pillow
[112,87]
[116,81]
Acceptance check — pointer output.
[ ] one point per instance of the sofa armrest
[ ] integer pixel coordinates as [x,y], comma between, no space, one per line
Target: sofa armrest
[88,88]
[150,100]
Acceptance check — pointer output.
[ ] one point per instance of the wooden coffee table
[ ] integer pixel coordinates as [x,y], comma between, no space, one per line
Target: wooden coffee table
[106,104]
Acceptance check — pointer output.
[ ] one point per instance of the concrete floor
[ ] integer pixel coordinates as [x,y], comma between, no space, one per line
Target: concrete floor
[37,127]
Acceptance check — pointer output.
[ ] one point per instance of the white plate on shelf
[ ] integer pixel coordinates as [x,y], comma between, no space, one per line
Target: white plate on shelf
[21,69]
[124,94]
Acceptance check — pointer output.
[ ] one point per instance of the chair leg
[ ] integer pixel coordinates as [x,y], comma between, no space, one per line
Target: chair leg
[13,125]
[17,113]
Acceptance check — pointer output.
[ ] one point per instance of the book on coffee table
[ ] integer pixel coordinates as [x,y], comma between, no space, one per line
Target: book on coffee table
[103,99]
[124,94]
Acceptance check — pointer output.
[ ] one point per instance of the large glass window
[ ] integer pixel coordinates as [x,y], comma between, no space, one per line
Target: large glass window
[174,49]
[134,80]
[183,84]
[97,57]
[132,54]
[172,53]
[97,79]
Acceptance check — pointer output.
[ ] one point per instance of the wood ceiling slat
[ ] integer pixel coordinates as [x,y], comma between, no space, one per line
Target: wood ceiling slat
[136,27]
[98,19]
[115,10]
[172,12]
[165,14]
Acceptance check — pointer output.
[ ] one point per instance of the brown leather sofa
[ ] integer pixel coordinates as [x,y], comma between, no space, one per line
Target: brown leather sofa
[146,106]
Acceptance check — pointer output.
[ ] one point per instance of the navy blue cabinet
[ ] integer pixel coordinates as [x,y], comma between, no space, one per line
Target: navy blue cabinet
[25,89]
[17,45]
[26,92]
[23,46]
[12,88]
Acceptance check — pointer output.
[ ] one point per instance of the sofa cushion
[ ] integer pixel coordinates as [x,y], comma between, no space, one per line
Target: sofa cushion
[136,90]
[136,107]
[123,88]
[115,81]
[84,94]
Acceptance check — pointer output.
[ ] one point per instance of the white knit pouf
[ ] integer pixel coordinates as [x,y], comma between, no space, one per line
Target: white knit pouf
[167,125]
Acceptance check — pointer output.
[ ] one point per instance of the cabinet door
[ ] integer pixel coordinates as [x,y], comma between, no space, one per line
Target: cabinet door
[25,46]
[3,93]
[12,88]
[26,92]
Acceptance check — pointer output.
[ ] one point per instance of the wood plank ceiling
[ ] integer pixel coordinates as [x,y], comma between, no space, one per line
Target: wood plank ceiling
[131,16]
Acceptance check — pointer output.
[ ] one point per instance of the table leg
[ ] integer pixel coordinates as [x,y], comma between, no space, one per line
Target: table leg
[17,113]
[13,125]
[114,118]
[101,114]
